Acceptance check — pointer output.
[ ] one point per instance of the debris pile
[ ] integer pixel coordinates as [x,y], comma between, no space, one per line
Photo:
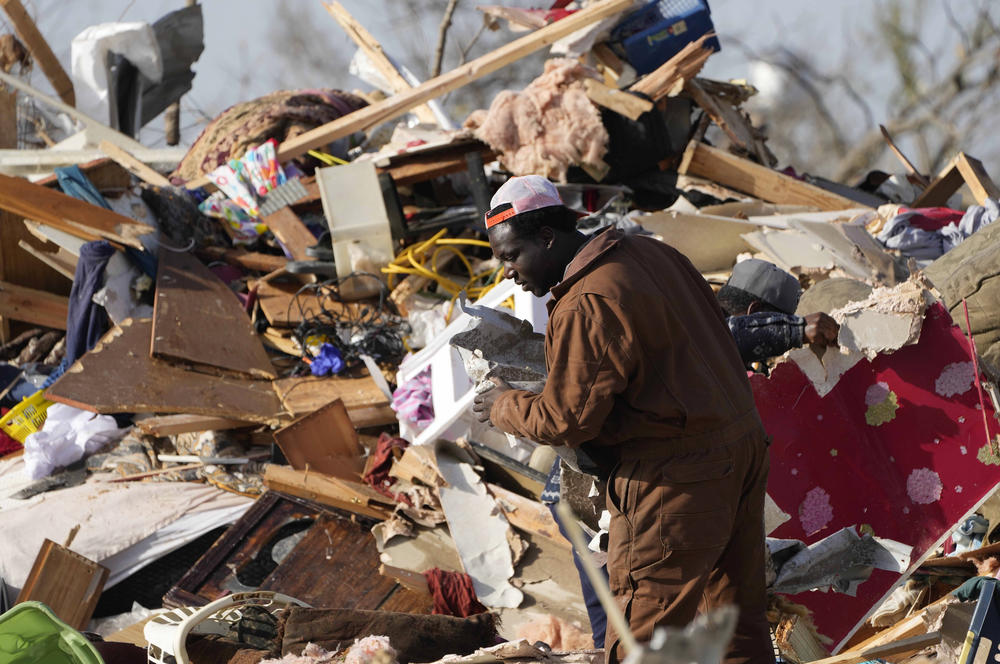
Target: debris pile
[238,377]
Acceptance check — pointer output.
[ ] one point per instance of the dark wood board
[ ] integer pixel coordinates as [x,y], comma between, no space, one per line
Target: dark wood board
[119,376]
[66,582]
[324,440]
[197,320]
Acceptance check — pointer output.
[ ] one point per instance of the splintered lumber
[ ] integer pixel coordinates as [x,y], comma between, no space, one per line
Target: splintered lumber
[758,181]
[907,646]
[620,101]
[40,50]
[172,425]
[528,515]
[68,214]
[311,485]
[402,103]
[33,306]
[118,376]
[59,260]
[248,259]
[961,169]
[668,79]
[732,121]
[197,320]
[376,55]
[291,232]
[66,582]
[325,441]
[133,165]
[365,402]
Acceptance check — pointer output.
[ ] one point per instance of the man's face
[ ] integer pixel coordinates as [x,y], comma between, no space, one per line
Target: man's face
[526,260]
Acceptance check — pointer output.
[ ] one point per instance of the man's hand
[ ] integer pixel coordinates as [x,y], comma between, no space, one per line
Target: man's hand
[483,403]
[821,330]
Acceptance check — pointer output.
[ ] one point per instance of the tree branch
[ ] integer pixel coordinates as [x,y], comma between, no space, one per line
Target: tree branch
[442,36]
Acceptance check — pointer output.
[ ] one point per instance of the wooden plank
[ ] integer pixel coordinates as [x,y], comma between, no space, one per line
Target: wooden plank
[67,213]
[291,232]
[247,259]
[975,176]
[28,33]
[66,582]
[668,79]
[103,173]
[912,625]
[350,496]
[732,121]
[620,101]
[128,161]
[376,55]
[365,402]
[33,306]
[171,425]
[423,165]
[413,581]
[119,376]
[528,515]
[906,646]
[418,465]
[197,320]
[325,441]
[59,259]
[399,104]
[760,181]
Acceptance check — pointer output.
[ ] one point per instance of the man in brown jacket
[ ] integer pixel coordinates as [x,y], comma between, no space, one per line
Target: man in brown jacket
[645,377]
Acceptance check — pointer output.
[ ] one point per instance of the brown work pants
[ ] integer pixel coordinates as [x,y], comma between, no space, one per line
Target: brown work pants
[687,535]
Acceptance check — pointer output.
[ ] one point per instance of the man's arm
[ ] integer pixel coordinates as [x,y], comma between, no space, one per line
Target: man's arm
[768,334]
[588,365]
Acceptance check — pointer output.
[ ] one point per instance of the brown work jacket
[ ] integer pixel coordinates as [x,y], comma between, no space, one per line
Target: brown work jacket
[639,357]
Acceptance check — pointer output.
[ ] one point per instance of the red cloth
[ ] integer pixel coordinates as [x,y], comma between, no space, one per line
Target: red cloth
[382,457]
[931,219]
[453,593]
[7,444]
[898,446]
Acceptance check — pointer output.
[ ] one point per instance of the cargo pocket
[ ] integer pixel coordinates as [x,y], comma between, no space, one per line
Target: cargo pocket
[698,500]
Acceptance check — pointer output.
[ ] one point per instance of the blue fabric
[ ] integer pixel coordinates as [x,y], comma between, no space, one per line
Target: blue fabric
[329,361]
[86,322]
[74,183]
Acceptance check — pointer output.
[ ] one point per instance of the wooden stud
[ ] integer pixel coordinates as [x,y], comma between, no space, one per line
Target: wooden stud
[906,646]
[33,306]
[961,169]
[401,103]
[620,101]
[760,181]
[40,50]
[350,496]
[59,260]
[171,425]
[129,162]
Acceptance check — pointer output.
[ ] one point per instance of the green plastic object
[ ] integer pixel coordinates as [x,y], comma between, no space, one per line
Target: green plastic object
[31,634]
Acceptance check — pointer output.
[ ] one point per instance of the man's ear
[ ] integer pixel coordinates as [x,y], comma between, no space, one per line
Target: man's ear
[754,307]
[547,236]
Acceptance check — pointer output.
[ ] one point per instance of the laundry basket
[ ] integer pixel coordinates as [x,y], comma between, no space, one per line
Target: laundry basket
[26,417]
[31,633]
[166,634]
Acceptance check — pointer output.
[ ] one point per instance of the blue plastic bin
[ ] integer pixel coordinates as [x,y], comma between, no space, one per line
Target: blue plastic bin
[653,34]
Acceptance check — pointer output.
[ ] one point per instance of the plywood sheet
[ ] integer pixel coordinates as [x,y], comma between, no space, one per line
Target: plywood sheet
[365,402]
[324,440]
[119,376]
[197,320]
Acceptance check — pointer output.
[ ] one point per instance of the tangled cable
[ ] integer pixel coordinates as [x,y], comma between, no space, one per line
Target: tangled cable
[353,328]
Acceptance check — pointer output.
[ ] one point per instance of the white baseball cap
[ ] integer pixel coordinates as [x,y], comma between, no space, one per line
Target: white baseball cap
[521,194]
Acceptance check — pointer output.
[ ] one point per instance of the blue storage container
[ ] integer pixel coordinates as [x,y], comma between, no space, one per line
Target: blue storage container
[650,36]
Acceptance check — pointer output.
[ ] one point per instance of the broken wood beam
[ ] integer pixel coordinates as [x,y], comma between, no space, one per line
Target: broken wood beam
[291,232]
[410,580]
[311,485]
[68,214]
[130,163]
[907,646]
[60,260]
[40,50]
[756,180]
[961,169]
[622,102]
[33,306]
[669,78]
[376,55]
[66,582]
[401,103]
[172,425]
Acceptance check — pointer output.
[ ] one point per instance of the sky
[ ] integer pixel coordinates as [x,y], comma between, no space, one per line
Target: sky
[257,46]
